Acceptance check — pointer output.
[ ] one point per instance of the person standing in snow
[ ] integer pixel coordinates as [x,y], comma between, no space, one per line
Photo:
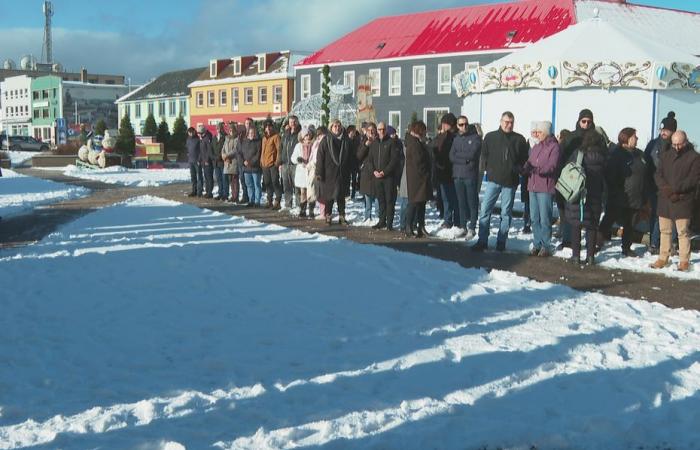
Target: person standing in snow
[206,158]
[504,153]
[302,157]
[626,175]
[271,145]
[321,133]
[218,163]
[365,175]
[464,156]
[192,145]
[418,179]
[677,177]
[384,164]
[541,168]
[443,170]
[249,150]
[228,154]
[284,161]
[333,170]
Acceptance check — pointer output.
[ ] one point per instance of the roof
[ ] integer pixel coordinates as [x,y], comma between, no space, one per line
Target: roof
[171,84]
[488,28]
[279,65]
[457,30]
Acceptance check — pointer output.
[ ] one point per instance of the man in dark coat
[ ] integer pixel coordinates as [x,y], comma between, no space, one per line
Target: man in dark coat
[418,178]
[217,145]
[196,176]
[652,155]
[677,178]
[464,155]
[504,153]
[443,170]
[365,174]
[206,158]
[333,170]
[384,164]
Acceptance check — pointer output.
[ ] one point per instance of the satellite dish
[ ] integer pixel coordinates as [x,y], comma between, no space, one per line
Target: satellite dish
[9,64]
[27,62]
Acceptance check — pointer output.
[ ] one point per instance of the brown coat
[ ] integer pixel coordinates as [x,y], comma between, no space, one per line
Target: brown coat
[270,150]
[677,177]
[418,170]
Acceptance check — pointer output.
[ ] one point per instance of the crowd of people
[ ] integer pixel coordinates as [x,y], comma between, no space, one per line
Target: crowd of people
[322,167]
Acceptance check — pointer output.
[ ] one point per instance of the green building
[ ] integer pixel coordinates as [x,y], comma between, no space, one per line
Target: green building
[46,106]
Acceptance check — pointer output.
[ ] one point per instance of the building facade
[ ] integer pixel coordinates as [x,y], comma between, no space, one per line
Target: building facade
[166,97]
[47,106]
[236,88]
[16,106]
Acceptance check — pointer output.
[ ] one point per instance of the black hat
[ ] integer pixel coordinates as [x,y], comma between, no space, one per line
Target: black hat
[585,114]
[669,122]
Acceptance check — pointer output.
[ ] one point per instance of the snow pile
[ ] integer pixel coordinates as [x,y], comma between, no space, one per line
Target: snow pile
[18,158]
[130,177]
[19,193]
[156,325]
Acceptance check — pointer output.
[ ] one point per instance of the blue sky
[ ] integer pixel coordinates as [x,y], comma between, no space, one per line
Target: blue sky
[143,38]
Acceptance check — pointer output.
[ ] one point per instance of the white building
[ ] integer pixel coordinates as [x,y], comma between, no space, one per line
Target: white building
[15,105]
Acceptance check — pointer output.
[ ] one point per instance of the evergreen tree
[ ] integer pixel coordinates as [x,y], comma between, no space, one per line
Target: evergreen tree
[178,138]
[326,95]
[150,128]
[100,127]
[126,141]
[163,134]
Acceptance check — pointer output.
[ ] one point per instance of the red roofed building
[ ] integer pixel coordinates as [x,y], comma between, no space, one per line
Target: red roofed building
[411,58]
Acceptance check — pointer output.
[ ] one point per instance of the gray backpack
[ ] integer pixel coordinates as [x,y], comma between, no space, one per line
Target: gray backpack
[572,181]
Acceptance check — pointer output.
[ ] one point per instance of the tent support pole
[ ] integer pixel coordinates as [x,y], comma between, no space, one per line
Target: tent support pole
[554,112]
[653,114]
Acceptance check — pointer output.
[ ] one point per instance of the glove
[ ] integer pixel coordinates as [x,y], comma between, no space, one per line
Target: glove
[300,160]
[318,177]
[674,197]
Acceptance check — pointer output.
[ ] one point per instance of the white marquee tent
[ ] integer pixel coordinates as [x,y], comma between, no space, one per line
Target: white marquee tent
[620,74]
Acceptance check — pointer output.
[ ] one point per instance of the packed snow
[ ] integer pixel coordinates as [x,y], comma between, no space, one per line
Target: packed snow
[156,325]
[130,177]
[20,194]
[18,158]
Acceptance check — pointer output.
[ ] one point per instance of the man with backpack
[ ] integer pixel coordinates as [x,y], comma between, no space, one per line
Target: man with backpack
[504,153]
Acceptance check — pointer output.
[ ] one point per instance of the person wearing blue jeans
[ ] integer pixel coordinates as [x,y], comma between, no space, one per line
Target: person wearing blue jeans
[250,151]
[468,200]
[464,155]
[504,153]
[252,183]
[443,170]
[541,210]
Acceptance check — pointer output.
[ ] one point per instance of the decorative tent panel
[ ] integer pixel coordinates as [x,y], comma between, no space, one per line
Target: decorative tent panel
[342,106]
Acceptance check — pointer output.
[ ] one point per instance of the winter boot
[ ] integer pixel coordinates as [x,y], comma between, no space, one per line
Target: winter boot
[276,206]
[268,205]
[312,207]
[302,210]
[342,221]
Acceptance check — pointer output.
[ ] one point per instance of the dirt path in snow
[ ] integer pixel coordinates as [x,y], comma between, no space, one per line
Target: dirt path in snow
[24,229]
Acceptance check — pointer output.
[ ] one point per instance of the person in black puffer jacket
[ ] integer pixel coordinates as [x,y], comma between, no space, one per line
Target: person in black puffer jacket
[464,155]
[586,213]
[626,175]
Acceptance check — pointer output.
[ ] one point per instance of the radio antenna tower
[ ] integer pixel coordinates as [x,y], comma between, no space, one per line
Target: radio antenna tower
[46,50]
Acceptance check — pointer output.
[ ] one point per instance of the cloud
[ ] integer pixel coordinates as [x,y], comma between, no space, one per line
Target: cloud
[217,29]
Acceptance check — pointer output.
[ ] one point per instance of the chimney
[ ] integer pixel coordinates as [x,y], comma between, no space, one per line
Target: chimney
[83,75]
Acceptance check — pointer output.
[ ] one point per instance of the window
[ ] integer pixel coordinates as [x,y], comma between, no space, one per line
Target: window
[277,94]
[45,113]
[349,80]
[211,98]
[161,109]
[431,117]
[172,107]
[35,95]
[183,108]
[45,93]
[444,78]
[200,99]
[54,92]
[375,82]
[127,110]
[262,64]
[262,95]
[418,80]
[394,81]
[137,110]
[36,113]
[235,99]
[212,69]
[150,108]
[237,66]
[248,92]
[305,86]
[395,121]
[222,97]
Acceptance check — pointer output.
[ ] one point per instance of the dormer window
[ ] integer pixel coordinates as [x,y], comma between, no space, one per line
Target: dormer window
[262,66]
[237,66]
[212,69]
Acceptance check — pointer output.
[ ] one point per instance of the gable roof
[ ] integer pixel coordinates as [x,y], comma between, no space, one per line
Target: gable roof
[170,84]
[475,28]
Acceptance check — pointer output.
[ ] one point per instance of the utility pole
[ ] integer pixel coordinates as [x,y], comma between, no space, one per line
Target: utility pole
[48,13]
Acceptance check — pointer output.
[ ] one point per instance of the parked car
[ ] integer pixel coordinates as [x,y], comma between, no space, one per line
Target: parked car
[24,143]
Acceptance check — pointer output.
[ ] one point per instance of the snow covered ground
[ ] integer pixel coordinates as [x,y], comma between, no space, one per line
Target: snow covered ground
[130,177]
[157,325]
[19,158]
[19,193]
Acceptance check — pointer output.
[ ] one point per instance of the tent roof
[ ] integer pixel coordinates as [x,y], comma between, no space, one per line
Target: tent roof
[594,40]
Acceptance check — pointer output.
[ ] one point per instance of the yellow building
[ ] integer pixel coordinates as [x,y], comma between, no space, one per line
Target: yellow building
[236,88]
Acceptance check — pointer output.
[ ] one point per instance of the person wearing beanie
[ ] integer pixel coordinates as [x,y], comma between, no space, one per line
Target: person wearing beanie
[504,153]
[652,154]
[443,170]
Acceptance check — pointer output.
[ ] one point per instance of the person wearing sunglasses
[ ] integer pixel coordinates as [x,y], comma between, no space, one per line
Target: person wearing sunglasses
[464,155]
